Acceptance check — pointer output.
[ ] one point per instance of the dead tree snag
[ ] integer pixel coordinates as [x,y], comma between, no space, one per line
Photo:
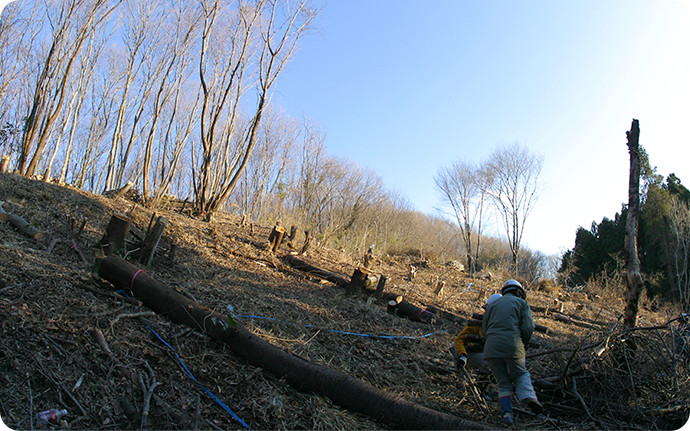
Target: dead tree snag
[632,260]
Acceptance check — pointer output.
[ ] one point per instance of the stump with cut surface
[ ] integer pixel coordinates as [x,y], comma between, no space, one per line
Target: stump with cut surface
[115,233]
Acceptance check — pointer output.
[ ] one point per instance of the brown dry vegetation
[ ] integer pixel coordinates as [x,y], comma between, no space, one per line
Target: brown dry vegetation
[51,306]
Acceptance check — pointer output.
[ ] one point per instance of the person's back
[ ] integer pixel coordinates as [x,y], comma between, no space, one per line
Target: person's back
[507,327]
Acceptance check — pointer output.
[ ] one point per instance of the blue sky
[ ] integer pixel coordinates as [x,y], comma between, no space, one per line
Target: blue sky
[407,86]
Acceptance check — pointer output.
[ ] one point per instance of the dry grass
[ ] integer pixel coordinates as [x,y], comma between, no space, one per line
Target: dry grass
[51,306]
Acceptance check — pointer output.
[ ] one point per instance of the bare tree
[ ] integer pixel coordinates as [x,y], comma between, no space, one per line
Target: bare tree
[174,63]
[515,174]
[265,182]
[87,66]
[76,18]
[463,188]
[142,22]
[263,36]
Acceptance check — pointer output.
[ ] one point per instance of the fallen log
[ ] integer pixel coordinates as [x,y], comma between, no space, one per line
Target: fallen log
[310,269]
[342,389]
[24,227]
[460,321]
[574,321]
[410,311]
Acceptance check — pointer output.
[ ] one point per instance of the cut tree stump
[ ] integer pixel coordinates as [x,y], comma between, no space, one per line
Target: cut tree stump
[344,390]
[358,282]
[151,240]
[380,286]
[275,238]
[439,288]
[307,243]
[114,237]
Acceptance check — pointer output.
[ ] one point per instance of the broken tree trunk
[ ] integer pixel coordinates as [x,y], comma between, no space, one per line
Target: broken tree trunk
[114,238]
[292,236]
[342,389]
[24,227]
[632,260]
[310,269]
[151,240]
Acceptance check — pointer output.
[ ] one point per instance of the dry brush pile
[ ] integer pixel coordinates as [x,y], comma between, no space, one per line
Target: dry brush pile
[69,341]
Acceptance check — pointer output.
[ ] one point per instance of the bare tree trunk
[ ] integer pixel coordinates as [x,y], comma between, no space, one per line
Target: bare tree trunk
[43,113]
[632,260]
[305,376]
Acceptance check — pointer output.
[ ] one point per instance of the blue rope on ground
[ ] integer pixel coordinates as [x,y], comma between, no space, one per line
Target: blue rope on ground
[387,337]
[184,366]
[215,398]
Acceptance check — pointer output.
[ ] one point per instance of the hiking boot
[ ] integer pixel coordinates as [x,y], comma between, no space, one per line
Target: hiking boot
[534,405]
[508,418]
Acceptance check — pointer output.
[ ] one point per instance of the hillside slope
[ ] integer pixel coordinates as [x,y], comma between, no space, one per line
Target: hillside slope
[53,311]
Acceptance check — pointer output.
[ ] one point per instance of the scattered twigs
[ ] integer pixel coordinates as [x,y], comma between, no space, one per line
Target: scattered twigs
[582,401]
[570,360]
[60,386]
[478,398]
[147,389]
[605,344]
[179,416]
[130,316]
[31,400]
[86,285]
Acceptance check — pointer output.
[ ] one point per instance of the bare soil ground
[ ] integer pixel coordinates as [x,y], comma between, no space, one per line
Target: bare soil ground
[51,308]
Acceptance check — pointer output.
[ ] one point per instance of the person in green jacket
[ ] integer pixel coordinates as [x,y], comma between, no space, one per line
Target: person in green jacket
[507,327]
